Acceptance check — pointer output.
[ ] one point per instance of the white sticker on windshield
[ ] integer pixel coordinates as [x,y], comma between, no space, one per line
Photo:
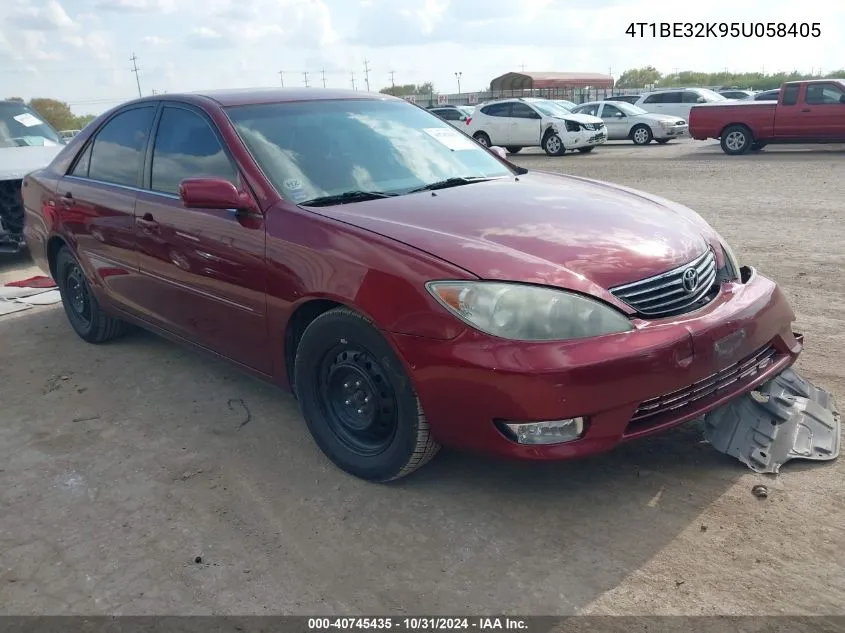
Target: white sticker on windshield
[452,139]
[28,120]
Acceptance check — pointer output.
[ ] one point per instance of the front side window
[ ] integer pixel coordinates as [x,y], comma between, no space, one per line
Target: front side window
[824,94]
[590,108]
[522,111]
[313,149]
[118,150]
[21,126]
[186,147]
[610,111]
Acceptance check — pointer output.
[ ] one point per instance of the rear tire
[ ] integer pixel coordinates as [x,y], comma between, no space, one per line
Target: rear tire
[736,140]
[641,134]
[482,139]
[513,150]
[357,400]
[586,150]
[553,145]
[83,311]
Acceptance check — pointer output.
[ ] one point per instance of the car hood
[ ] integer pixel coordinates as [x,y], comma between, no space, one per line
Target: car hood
[541,228]
[580,118]
[17,162]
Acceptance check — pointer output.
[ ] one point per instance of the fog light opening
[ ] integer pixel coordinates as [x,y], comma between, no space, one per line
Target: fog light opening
[544,433]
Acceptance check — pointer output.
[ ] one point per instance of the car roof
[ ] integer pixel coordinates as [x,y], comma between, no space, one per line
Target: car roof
[255,96]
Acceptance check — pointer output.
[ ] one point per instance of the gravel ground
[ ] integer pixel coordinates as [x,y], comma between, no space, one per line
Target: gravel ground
[121,464]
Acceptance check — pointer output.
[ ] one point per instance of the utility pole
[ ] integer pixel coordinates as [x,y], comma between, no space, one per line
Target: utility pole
[353,80]
[134,59]
[324,77]
[677,77]
[522,67]
[367,74]
[282,77]
[458,77]
[392,83]
[305,74]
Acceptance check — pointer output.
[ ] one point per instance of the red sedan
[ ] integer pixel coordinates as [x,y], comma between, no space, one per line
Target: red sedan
[411,287]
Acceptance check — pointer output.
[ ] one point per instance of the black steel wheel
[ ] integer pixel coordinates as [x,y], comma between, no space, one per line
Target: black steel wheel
[357,399]
[482,139]
[83,311]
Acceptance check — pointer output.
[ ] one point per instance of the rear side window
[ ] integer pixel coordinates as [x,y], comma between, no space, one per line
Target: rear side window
[118,151]
[186,147]
[790,95]
[497,109]
[449,114]
[658,98]
[692,97]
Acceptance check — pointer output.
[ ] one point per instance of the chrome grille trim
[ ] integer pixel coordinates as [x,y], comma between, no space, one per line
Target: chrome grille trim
[665,295]
[740,372]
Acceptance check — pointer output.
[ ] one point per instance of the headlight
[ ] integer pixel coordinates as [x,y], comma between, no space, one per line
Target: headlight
[731,261]
[572,126]
[527,313]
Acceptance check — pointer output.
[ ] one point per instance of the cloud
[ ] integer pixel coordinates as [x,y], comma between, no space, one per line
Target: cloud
[154,40]
[205,37]
[51,16]
[136,6]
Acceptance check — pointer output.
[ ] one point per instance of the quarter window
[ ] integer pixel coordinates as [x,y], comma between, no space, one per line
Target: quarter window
[118,151]
[186,147]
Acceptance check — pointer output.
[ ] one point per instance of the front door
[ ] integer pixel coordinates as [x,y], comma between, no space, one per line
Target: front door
[524,126]
[204,268]
[824,109]
[96,201]
[617,122]
[790,121]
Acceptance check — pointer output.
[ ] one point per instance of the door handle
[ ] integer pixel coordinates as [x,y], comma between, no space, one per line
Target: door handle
[148,223]
[67,199]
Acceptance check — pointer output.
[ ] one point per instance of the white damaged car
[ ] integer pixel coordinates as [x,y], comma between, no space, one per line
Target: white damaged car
[27,143]
[528,122]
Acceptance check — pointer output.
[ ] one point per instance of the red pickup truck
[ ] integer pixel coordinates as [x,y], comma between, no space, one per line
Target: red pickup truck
[805,112]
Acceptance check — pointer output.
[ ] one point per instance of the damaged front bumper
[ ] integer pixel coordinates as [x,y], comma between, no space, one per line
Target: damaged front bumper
[785,418]
[11,217]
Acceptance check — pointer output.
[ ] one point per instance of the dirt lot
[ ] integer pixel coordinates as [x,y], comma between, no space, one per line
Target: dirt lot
[120,464]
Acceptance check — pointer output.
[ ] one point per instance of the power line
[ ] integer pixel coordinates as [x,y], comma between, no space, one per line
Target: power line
[133,59]
[367,74]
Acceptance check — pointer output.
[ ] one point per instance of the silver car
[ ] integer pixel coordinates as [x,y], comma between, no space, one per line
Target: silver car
[626,121]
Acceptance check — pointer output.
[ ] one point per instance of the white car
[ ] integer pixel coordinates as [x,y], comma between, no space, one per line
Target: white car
[626,121]
[517,123]
[678,101]
[454,115]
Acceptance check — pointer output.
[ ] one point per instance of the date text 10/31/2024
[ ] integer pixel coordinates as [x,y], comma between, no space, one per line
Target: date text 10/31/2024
[419,623]
[724,29]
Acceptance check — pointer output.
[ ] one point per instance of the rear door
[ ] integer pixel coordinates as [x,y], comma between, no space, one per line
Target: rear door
[204,268]
[497,122]
[96,201]
[525,125]
[654,103]
[790,120]
[824,111]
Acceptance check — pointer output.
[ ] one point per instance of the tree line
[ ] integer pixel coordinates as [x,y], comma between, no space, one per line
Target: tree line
[649,75]
[56,113]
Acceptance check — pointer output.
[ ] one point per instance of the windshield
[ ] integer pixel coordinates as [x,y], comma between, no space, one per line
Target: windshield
[566,105]
[628,109]
[711,95]
[20,126]
[550,108]
[315,149]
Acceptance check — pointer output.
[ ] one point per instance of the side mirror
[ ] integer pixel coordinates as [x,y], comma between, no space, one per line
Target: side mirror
[213,193]
[499,151]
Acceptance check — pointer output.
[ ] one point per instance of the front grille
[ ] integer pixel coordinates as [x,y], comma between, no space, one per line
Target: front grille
[681,290]
[593,127]
[727,379]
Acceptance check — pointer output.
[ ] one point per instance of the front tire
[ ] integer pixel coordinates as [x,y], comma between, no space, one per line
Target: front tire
[553,145]
[641,135]
[83,311]
[482,139]
[357,400]
[736,140]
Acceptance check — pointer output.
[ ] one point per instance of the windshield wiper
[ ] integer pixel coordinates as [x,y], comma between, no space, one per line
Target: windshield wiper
[346,197]
[451,182]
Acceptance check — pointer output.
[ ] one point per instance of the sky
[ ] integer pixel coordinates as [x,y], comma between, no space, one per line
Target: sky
[79,50]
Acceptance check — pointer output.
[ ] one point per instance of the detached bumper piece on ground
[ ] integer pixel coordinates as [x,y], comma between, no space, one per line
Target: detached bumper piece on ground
[786,418]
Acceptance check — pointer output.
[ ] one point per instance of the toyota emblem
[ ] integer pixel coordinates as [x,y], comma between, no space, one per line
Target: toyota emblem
[690,280]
